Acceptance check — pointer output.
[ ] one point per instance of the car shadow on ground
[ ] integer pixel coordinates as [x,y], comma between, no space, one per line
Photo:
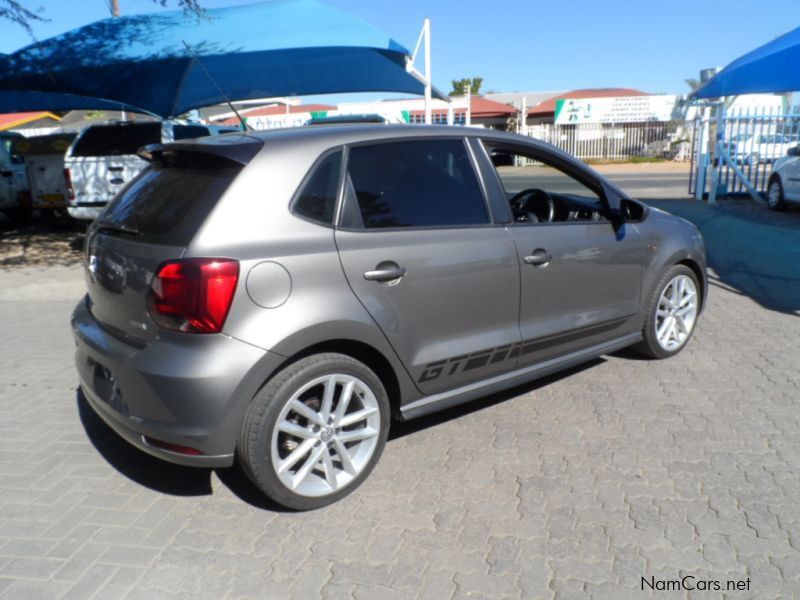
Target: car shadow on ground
[177,480]
[752,250]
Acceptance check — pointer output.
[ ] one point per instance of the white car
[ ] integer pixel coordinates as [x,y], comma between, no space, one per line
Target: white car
[44,161]
[15,195]
[784,183]
[749,148]
[103,159]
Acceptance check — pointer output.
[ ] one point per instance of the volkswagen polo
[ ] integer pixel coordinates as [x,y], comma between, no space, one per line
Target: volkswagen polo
[275,300]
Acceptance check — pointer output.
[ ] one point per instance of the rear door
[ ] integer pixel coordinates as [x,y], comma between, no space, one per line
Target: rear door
[421,253]
[103,159]
[580,274]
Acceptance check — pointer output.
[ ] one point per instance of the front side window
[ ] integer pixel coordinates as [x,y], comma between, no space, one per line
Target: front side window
[540,192]
[427,183]
[317,199]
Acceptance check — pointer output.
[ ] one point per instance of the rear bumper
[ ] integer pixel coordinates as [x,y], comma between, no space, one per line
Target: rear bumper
[181,389]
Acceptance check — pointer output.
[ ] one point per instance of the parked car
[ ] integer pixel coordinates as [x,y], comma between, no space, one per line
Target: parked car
[103,159]
[750,148]
[784,182]
[15,196]
[44,162]
[275,299]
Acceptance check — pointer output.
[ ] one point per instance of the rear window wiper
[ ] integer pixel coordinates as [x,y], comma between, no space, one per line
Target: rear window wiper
[118,227]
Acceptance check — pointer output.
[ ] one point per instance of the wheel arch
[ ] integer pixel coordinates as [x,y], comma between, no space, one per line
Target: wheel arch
[362,352]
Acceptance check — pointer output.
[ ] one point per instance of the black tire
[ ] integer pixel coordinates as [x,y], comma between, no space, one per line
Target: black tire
[19,214]
[650,346]
[57,218]
[776,201]
[254,448]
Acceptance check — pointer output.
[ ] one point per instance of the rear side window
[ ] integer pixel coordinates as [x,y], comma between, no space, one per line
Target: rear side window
[416,184]
[188,132]
[167,205]
[116,140]
[317,199]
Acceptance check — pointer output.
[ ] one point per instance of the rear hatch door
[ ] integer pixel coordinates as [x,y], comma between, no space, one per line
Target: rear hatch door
[151,221]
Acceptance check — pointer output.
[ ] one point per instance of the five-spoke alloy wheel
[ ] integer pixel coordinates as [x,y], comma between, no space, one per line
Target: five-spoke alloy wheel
[315,431]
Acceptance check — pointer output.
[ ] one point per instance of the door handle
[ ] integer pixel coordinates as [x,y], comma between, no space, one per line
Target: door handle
[115,169]
[538,258]
[385,272]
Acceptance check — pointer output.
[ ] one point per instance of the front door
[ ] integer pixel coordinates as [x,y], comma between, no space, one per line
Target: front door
[580,274]
[421,253]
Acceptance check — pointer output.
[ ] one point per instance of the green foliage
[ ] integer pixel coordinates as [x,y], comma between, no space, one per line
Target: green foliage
[460,86]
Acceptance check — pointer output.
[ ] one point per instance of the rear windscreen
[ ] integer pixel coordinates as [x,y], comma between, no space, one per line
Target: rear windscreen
[167,205]
[115,140]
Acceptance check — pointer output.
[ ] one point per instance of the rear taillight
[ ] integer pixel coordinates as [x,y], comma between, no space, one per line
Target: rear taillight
[68,182]
[193,295]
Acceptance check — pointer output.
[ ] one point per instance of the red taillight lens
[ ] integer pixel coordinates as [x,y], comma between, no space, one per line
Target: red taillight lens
[193,295]
[68,181]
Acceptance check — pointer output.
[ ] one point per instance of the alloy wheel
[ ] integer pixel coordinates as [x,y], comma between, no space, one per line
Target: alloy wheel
[325,435]
[676,313]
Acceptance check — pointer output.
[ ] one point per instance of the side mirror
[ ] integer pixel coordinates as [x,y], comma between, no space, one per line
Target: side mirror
[793,151]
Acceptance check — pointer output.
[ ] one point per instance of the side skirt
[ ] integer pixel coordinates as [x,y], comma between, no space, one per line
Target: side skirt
[436,402]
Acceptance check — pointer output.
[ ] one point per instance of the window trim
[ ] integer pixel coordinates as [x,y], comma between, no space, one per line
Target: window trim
[417,138]
[312,170]
[553,161]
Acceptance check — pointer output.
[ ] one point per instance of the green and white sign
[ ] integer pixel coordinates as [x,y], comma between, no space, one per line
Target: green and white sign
[618,109]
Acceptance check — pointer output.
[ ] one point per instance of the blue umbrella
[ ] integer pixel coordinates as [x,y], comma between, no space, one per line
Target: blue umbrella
[772,67]
[169,63]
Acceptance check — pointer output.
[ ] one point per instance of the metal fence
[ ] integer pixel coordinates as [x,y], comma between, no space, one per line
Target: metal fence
[619,141]
[753,139]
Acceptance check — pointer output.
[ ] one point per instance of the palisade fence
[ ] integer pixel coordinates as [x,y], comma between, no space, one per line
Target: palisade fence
[619,141]
[752,138]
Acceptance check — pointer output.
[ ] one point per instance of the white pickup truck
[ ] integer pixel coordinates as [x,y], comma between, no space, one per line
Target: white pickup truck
[102,159]
[15,196]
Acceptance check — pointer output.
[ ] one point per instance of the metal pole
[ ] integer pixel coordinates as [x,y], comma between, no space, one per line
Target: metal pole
[427,31]
[114,8]
[468,114]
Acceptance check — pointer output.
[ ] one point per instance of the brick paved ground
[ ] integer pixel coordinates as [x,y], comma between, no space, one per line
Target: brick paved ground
[576,486]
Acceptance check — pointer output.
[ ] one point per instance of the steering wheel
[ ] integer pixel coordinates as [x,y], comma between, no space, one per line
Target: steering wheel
[525,203]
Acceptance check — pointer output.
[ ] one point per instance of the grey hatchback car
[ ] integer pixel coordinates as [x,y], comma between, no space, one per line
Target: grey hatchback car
[276,299]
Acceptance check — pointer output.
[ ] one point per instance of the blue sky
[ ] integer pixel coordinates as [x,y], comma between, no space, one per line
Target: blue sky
[533,45]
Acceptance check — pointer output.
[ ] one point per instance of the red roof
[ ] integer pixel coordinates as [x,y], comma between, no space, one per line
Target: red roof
[548,107]
[480,108]
[277,109]
[9,120]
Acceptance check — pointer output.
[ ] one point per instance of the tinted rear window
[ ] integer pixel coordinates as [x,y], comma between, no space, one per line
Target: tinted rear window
[115,140]
[167,205]
[416,184]
[317,200]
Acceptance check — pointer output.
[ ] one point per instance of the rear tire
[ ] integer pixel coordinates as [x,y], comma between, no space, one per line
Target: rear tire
[671,314]
[775,198]
[315,431]
[19,214]
[57,218]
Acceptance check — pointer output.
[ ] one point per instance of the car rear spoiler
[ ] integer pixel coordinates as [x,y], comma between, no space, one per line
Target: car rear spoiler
[230,148]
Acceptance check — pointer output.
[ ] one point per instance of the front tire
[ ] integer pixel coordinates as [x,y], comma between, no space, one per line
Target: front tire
[671,313]
[775,198]
[315,431]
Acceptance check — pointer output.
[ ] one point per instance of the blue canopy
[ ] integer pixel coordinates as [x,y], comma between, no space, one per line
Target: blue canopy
[278,48]
[772,67]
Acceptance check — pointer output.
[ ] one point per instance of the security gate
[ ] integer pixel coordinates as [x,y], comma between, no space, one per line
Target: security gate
[735,150]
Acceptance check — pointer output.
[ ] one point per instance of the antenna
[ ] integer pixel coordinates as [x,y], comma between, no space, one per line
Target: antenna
[245,126]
